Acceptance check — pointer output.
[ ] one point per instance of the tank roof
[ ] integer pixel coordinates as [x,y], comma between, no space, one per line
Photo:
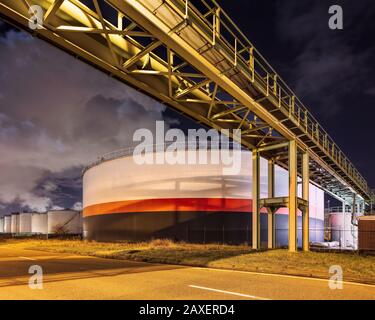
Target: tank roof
[126,152]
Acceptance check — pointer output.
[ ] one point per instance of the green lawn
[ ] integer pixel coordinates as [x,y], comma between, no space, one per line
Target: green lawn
[312,264]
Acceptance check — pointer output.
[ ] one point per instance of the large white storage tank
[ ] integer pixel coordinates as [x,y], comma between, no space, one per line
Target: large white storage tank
[15,223]
[25,222]
[39,224]
[7,224]
[64,222]
[199,202]
[2,225]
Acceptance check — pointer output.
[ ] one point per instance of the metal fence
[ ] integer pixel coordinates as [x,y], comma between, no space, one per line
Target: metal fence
[236,236]
[330,238]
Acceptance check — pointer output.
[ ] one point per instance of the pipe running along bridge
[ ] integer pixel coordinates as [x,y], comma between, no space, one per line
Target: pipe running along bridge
[190,55]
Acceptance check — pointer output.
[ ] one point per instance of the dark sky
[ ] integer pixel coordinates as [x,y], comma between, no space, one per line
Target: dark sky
[47,133]
[330,70]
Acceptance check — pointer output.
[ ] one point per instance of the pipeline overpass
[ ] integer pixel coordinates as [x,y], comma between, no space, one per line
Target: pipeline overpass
[190,55]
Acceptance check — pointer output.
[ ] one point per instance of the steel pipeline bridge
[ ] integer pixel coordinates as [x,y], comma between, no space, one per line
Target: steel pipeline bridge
[190,55]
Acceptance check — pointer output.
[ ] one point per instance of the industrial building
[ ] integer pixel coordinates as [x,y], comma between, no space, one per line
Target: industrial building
[194,203]
[198,203]
[39,223]
[64,222]
[15,223]
[366,233]
[7,224]
[1,224]
[25,223]
[54,222]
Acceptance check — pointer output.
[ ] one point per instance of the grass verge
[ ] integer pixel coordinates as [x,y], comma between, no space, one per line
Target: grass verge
[355,267]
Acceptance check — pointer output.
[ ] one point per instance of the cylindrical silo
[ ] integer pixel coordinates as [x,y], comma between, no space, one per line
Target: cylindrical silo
[39,223]
[25,222]
[64,222]
[343,230]
[193,202]
[15,223]
[2,225]
[7,224]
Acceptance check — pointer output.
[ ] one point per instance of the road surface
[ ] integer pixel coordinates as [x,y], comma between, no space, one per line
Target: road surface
[67,276]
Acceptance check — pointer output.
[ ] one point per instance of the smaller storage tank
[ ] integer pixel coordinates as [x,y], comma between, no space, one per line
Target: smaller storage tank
[39,223]
[15,223]
[64,222]
[7,224]
[25,222]
[2,225]
[342,229]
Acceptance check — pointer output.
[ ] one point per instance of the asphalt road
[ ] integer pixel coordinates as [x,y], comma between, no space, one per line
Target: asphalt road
[68,276]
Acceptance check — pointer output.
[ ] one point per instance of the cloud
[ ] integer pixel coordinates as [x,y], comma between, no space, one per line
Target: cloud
[371,91]
[35,203]
[56,115]
[327,65]
[77,206]
[57,208]
[49,186]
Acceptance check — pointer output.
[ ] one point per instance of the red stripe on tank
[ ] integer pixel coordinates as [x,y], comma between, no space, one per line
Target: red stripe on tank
[171,204]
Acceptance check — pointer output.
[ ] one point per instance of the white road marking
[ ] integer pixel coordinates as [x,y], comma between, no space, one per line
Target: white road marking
[27,258]
[284,276]
[229,292]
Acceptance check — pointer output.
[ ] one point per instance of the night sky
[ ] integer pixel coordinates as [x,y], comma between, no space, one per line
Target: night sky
[51,126]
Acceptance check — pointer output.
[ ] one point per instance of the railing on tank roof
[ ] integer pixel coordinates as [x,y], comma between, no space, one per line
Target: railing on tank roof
[256,69]
[189,145]
[338,209]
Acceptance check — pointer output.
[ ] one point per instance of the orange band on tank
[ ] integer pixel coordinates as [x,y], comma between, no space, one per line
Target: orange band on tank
[175,204]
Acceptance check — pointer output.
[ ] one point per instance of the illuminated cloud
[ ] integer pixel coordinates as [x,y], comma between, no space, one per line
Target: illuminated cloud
[56,115]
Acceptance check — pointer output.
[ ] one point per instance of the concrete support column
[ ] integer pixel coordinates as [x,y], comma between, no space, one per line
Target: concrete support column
[256,196]
[305,196]
[293,196]
[271,212]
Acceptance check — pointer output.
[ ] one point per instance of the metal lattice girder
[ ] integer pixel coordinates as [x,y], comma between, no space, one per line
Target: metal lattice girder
[190,56]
